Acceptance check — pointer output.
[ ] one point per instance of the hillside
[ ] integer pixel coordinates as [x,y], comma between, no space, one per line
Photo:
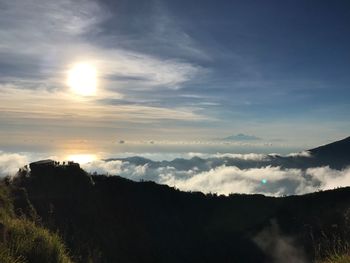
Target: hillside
[112,219]
[22,237]
[336,154]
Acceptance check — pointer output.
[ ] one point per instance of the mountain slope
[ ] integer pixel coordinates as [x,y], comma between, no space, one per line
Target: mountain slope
[112,219]
[336,154]
[339,148]
[22,238]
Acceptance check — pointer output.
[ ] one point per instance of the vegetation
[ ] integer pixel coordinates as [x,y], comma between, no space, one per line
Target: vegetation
[24,241]
[344,258]
[338,251]
[112,219]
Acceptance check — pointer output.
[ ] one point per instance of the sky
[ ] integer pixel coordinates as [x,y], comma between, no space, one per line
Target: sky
[173,76]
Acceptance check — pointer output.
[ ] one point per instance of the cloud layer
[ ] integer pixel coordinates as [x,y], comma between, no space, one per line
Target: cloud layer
[223,179]
[219,173]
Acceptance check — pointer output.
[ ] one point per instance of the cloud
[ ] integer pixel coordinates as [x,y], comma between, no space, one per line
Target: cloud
[211,176]
[226,180]
[11,162]
[246,157]
[124,169]
[300,154]
[330,178]
[42,38]
[278,246]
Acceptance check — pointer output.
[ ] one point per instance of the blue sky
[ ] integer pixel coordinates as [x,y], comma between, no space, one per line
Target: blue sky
[174,73]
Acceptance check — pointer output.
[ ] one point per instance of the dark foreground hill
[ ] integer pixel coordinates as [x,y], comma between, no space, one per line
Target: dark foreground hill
[111,219]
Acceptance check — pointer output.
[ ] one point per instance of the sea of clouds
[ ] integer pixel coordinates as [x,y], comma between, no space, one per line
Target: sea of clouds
[224,179]
[216,173]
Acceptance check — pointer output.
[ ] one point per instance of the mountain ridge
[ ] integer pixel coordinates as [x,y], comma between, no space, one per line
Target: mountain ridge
[336,155]
[113,219]
[109,218]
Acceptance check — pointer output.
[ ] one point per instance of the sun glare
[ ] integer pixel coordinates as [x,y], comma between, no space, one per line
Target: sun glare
[82,79]
[81,158]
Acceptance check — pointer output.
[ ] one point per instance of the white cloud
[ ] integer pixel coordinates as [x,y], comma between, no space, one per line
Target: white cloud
[274,181]
[279,246]
[11,162]
[43,22]
[330,178]
[230,179]
[222,179]
[300,154]
[124,169]
[41,39]
[49,35]
[246,157]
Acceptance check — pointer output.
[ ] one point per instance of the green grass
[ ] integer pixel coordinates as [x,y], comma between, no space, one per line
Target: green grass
[24,241]
[337,251]
[344,258]
[6,257]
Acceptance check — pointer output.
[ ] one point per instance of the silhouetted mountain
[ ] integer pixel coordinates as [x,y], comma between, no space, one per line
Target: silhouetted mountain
[335,155]
[112,219]
[339,148]
[241,137]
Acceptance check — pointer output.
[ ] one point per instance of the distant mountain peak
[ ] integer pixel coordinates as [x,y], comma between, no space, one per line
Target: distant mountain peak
[242,137]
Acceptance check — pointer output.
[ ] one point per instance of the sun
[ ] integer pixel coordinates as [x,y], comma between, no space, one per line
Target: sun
[82,79]
[81,158]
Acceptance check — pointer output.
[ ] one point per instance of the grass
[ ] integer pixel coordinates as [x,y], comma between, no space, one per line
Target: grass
[24,241]
[6,257]
[344,258]
[337,250]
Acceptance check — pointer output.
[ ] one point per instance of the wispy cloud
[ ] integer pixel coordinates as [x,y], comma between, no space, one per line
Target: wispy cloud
[279,246]
[41,40]
[46,104]
[158,64]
